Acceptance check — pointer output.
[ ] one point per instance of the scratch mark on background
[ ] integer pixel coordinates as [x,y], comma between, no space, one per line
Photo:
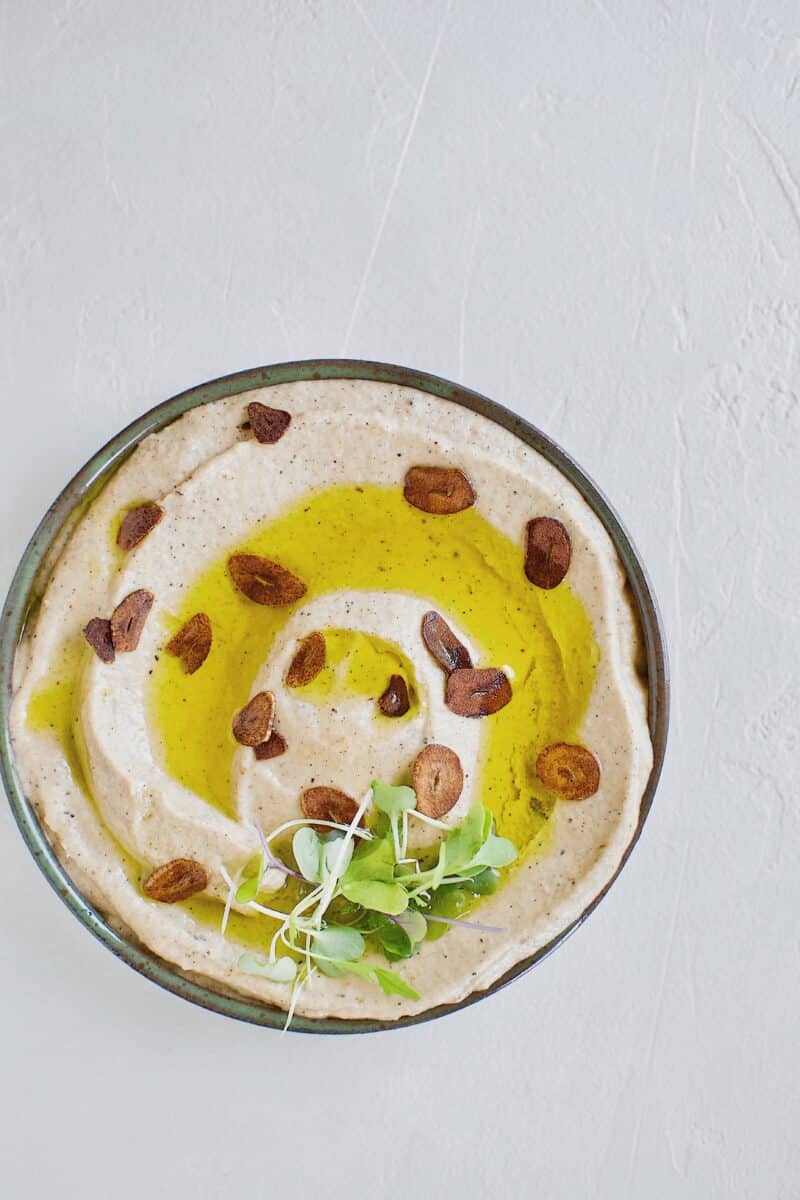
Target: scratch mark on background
[384,49]
[398,171]
[658,142]
[707,35]
[648,1058]
[680,489]
[659,147]
[780,170]
[759,232]
[698,108]
[606,15]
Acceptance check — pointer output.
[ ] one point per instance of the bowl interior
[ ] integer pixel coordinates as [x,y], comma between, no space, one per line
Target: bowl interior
[32,572]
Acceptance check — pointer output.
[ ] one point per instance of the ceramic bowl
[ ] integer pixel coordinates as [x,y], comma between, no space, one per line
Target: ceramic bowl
[30,578]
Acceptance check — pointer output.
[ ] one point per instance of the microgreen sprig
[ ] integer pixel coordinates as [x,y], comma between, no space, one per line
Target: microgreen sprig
[389,896]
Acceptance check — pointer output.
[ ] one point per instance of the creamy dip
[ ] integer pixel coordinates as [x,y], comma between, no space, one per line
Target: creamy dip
[133,763]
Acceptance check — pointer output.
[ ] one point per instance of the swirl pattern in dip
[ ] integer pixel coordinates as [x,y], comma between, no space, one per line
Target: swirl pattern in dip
[133,763]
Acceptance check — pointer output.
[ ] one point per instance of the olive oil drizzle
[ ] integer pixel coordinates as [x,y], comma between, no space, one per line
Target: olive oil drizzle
[363,538]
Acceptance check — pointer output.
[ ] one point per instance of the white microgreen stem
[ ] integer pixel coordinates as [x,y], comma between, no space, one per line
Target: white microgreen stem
[299,922]
[287,941]
[296,990]
[466,924]
[232,886]
[404,850]
[291,943]
[360,833]
[398,853]
[422,890]
[338,866]
[273,859]
[268,912]
[306,902]
[428,820]
[327,958]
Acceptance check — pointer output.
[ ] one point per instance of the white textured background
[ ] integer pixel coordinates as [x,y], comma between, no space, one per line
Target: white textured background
[591,212]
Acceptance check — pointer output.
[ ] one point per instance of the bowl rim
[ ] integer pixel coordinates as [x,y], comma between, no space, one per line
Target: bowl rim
[33,567]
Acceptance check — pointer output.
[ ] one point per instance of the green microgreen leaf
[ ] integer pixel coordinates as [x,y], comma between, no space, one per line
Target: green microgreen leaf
[405,871]
[373,893]
[415,926]
[394,985]
[283,970]
[307,850]
[394,941]
[495,852]
[373,861]
[465,840]
[249,888]
[342,911]
[330,854]
[393,801]
[389,981]
[430,880]
[329,968]
[449,902]
[484,883]
[370,920]
[338,942]
[247,891]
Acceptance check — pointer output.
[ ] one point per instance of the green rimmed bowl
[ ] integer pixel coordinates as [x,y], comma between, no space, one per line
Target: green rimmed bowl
[31,575]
